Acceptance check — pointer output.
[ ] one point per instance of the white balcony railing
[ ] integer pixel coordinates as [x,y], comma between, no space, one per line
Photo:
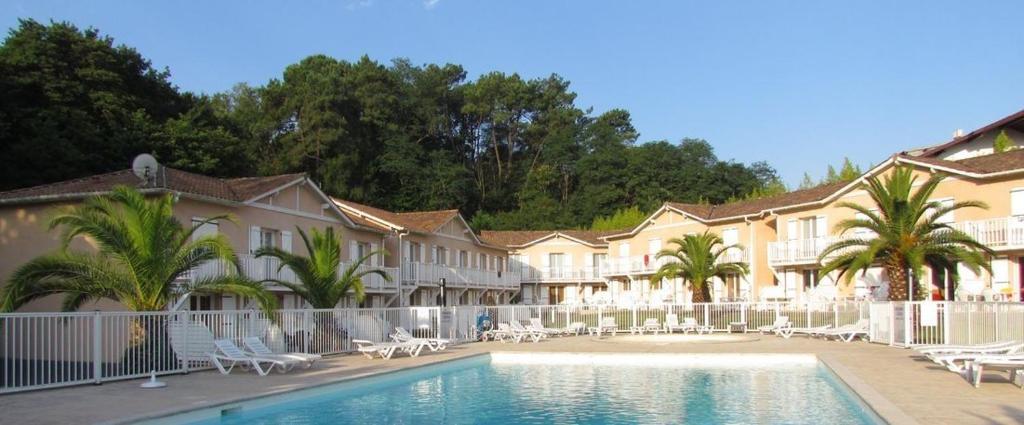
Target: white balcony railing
[996,233]
[422,273]
[643,264]
[561,274]
[264,268]
[800,251]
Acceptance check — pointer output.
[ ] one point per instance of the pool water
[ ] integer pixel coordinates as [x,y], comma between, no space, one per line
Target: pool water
[483,391]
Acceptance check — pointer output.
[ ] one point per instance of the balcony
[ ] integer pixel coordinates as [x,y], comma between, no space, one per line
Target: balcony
[648,264]
[267,268]
[998,233]
[799,251]
[430,274]
[561,274]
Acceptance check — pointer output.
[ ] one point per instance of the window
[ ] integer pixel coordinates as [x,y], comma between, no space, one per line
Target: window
[267,238]
[948,217]
[653,246]
[362,249]
[624,249]
[812,227]
[599,259]
[414,252]
[200,303]
[1017,202]
[810,278]
[464,259]
[499,263]
[441,255]
[482,261]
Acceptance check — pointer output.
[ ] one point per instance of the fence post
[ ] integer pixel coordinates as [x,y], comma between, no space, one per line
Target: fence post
[306,330]
[945,322]
[600,319]
[743,312]
[908,314]
[634,315]
[184,337]
[835,314]
[97,348]
[707,313]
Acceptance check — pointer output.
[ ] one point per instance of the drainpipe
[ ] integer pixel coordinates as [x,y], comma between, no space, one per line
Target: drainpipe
[752,257]
[401,259]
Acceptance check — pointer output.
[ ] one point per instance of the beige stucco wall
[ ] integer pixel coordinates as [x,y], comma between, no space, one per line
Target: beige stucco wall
[23,233]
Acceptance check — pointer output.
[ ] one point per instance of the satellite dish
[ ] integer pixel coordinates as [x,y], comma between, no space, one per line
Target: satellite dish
[144,166]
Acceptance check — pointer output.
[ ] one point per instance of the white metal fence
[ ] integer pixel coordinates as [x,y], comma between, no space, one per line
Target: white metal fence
[44,350]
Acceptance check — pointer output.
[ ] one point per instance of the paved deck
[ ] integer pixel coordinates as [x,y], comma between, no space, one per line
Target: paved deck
[923,391]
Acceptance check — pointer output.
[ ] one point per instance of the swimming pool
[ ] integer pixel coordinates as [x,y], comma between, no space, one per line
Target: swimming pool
[573,388]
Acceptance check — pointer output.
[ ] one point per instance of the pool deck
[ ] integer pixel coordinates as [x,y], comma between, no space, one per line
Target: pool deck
[902,388]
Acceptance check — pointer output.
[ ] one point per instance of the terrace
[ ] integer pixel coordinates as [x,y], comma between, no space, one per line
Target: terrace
[414,273]
[262,268]
[647,264]
[899,387]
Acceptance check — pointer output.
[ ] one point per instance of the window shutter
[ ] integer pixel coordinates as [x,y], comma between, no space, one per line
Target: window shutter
[568,262]
[545,262]
[353,250]
[821,224]
[254,239]
[791,232]
[406,251]
[433,254]
[1000,270]
[375,260]
[423,256]
[286,241]
[1017,202]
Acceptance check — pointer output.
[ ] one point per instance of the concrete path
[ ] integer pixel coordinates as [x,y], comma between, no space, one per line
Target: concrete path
[922,390]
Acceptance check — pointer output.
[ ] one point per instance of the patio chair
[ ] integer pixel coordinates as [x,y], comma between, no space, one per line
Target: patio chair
[672,323]
[959,362]
[780,322]
[227,355]
[940,349]
[607,325]
[533,334]
[690,324]
[809,331]
[434,344]
[537,325]
[847,332]
[651,325]
[258,348]
[1014,364]
[387,349]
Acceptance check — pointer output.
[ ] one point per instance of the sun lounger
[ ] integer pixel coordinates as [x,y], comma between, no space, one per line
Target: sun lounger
[780,322]
[811,331]
[672,323]
[607,325]
[387,349]
[434,344]
[690,324]
[1014,364]
[537,325]
[847,332]
[227,355]
[929,350]
[651,325]
[533,334]
[576,328]
[258,348]
[958,362]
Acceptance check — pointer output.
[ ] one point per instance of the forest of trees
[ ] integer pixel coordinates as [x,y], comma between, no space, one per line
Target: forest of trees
[509,152]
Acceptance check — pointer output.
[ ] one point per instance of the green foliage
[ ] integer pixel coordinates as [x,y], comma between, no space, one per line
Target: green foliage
[1003,142]
[848,172]
[625,218]
[320,281]
[399,136]
[697,259]
[807,182]
[906,233]
[141,251]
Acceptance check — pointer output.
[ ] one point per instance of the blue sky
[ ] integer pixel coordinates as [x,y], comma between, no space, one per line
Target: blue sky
[800,84]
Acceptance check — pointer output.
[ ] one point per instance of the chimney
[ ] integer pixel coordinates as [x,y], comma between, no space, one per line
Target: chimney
[958,133]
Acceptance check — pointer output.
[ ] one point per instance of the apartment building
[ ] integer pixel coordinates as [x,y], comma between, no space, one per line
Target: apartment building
[558,266]
[266,211]
[434,246]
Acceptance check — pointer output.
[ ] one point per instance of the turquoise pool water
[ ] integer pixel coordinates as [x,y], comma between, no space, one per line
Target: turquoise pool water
[477,391]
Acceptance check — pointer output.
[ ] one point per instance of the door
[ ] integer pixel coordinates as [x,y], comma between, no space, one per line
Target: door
[556,265]
[556,294]
[731,237]
[267,239]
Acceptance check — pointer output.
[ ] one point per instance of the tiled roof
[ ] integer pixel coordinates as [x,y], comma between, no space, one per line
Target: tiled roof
[754,206]
[1008,120]
[236,189]
[985,164]
[421,221]
[509,238]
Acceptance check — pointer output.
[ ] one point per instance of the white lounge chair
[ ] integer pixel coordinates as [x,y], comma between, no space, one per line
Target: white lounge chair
[386,349]
[959,362]
[607,325]
[690,324]
[780,323]
[848,332]
[227,355]
[672,323]
[651,325]
[258,348]
[533,334]
[537,325]
[434,344]
[1014,364]
[576,328]
[809,331]
[934,350]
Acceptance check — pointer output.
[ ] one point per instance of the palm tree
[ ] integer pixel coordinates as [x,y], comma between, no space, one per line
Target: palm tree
[907,233]
[142,255]
[697,261]
[320,281]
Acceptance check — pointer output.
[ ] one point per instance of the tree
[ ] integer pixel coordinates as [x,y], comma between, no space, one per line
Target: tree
[696,260]
[321,282]
[625,218]
[1003,142]
[907,234]
[75,104]
[142,252]
[807,182]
